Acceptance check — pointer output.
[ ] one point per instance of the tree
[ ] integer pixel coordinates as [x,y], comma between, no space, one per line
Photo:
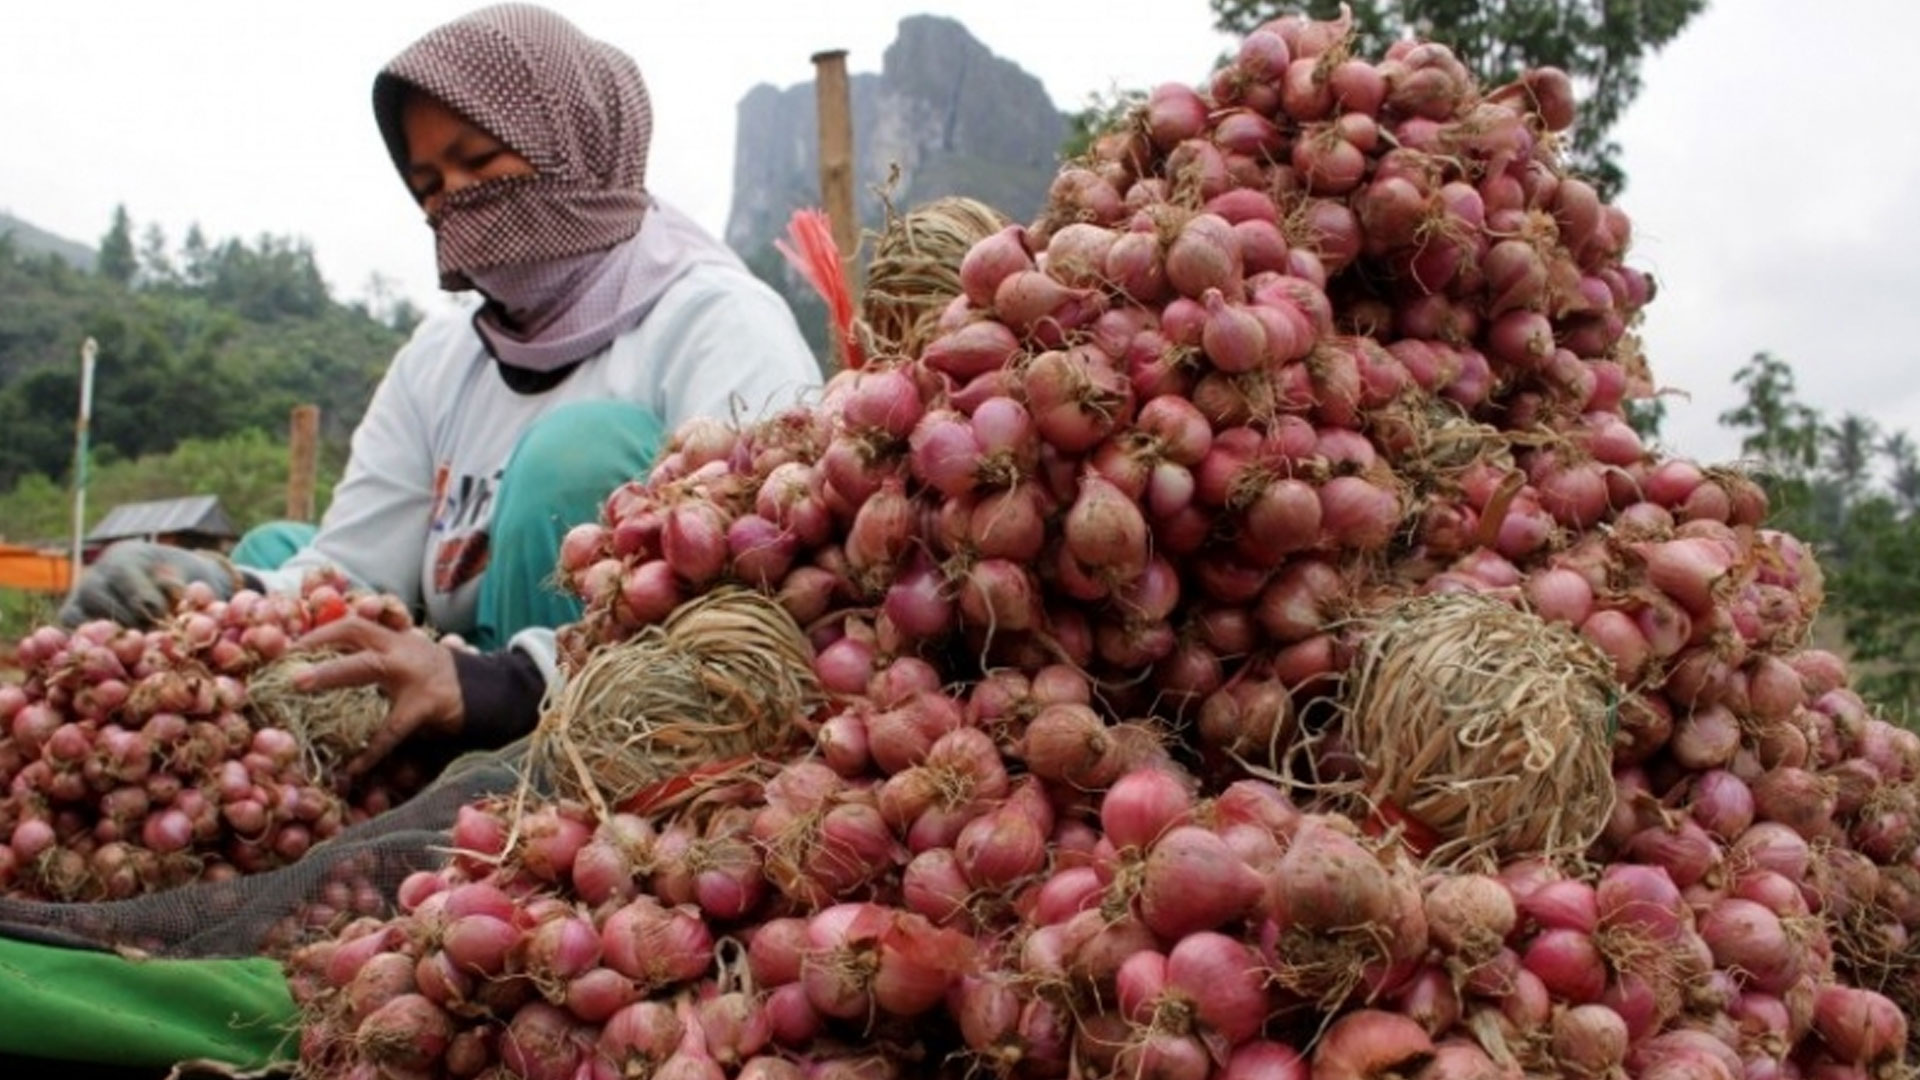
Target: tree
[1854,497]
[1646,416]
[1783,439]
[1904,470]
[276,278]
[116,261]
[156,267]
[404,316]
[176,363]
[1877,595]
[386,304]
[1600,43]
[1851,445]
[196,258]
[1782,432]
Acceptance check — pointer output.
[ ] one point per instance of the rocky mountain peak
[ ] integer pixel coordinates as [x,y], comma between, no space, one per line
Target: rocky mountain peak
[952,117]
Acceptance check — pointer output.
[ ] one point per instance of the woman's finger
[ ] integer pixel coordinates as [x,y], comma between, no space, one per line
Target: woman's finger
[365,668]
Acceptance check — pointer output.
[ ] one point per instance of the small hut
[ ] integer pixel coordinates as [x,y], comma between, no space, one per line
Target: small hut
[194,521]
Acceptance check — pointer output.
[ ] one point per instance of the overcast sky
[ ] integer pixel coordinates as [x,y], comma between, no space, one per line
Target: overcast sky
[1773,173]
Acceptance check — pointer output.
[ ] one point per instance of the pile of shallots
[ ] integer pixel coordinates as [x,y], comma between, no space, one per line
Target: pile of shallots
[1330,331]
[132,763]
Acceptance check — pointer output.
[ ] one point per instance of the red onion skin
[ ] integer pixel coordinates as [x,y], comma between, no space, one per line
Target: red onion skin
[407,1033]
[1068,892]
[1589,1040]
[1429,998]
[1641,898]
[1560,595]
[1163,1055]
[1722,803]
[989,262]
[1370,1043]
[1797,798]
[1617,636]
[1745,936]
[1259,1059]
[1002,846]
[1173,902]
[1775,892]
[1685,851]
[1226,982]
[1141,806]
[1569,963]
[538,1043]
[1563,905]
[972,350]
[1772,846]
[1469,916]
[1175,113]
[1859,1027]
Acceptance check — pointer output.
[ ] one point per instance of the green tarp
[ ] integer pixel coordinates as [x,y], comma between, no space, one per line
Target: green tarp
[84,1006]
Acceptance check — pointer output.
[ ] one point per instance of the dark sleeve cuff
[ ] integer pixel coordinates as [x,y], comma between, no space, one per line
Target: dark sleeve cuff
[500,693]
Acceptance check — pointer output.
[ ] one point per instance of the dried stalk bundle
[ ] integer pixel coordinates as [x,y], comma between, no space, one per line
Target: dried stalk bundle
[331,726]
[1484,723]
[725,677]
[915,271]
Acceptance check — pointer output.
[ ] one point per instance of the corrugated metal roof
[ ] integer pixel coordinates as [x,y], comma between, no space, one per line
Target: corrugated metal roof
[194,513]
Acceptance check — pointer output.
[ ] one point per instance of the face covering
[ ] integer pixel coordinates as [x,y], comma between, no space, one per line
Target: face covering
[543,316]
[575,108]
[560,255]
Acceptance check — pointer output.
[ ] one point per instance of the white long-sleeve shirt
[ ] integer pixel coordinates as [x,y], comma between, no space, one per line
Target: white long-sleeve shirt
[429,452]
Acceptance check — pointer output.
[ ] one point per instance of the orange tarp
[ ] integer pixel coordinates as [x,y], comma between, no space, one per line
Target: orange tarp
[32,569]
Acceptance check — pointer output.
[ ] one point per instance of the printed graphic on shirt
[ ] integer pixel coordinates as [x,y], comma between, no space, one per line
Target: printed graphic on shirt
[462,508]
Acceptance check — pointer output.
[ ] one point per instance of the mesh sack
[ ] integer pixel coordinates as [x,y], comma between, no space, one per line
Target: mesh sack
[353,874]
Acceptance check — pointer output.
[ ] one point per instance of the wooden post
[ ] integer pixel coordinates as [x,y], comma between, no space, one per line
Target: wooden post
[836,150]
[303,444]
[83,423]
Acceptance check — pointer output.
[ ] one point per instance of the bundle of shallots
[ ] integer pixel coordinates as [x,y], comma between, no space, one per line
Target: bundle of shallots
[137,760]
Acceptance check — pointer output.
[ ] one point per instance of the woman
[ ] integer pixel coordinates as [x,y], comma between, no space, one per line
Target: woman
[603,319]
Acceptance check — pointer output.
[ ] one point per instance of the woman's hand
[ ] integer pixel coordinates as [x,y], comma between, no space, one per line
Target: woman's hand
[415,672]
[135,583]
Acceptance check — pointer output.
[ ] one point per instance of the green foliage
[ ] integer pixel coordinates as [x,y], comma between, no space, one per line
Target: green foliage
[116,261]
[1855,497]
[1646,415]
[1781,440]
[247,469]
[155,264]
[1600,43]
[1101,114]
[1877,589]
[221,339]
[20,613]
[1782,432]
[274,279]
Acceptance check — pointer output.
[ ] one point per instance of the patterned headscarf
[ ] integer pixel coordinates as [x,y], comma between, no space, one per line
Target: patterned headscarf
[574,107]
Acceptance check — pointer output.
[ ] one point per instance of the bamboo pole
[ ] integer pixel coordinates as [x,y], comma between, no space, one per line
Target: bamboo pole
[303,443]
[836,150]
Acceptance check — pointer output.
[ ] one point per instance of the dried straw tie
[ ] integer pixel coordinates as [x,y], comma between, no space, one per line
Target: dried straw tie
[331,727]
[915,271]
[726,676]
[1485,723]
